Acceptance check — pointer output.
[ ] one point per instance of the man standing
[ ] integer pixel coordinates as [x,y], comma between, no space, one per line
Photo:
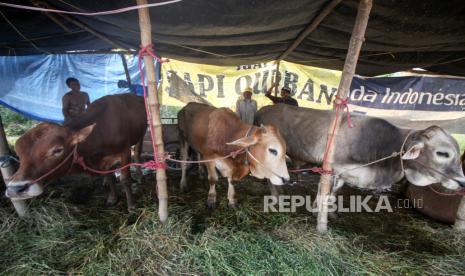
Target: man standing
[285,96]
[246,107]
[75,101]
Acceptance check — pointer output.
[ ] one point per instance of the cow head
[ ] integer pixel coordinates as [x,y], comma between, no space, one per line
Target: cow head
[267,154]
[40,150]
[432,156]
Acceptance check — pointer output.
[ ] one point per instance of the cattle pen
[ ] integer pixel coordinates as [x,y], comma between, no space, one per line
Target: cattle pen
[68,229]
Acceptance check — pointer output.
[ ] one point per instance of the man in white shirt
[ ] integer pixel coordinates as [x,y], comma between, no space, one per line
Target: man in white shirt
[246,107]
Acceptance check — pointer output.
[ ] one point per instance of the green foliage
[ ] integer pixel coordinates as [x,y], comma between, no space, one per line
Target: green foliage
[14,123]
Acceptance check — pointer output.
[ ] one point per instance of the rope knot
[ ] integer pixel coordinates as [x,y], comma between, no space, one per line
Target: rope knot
[154,165]
[340,103]
[148,50]
[321,171]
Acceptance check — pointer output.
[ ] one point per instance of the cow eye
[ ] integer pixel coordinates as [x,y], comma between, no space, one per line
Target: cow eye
[57,151]
[442,154]
[273,151]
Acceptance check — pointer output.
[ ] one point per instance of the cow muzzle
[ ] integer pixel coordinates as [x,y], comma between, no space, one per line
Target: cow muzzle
[23,190]
[460,181]
[454,183]
[279,180]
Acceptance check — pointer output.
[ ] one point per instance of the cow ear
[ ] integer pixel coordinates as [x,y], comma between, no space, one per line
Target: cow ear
[414,151]
[81,134]
[244,142]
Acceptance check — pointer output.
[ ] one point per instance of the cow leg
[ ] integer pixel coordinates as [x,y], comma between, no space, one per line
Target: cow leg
[460,216]
[137,159]
[201,166]
[212,179]
[232,195]
[126,178]
[297,166]
[112,198]
[275,190]
[184,154]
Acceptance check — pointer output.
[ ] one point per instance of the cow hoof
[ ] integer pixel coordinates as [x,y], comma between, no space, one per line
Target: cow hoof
[184,189]
[459,225]
[210,204]
[131,209]
[140,181]
[234,205]
[111,202]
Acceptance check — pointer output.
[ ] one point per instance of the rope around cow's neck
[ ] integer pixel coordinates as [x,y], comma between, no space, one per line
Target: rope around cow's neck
[47,174]
[248,153]
[399,153]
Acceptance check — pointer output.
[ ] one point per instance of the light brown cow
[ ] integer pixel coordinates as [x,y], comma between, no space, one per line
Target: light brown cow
[217,132]
[103,135]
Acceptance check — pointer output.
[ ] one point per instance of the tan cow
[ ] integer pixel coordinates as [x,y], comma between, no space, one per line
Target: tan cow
[217,132]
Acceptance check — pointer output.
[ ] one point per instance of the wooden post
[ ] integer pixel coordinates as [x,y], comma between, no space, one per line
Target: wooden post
[126,69]
[277,78]
[154,108]
[310,28]
[8,171]
[42,4]
[356,40]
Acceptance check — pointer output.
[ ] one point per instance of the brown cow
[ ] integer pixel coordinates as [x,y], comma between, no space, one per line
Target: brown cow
[217,132]
[103,135]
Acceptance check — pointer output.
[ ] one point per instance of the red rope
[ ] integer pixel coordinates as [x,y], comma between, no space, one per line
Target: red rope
[339,104]
[147,50]
[344,104]
[314,169]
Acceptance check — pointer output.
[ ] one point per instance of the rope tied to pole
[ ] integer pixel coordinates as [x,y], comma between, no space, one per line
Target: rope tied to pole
[340,103]
[158,162]
[148,50]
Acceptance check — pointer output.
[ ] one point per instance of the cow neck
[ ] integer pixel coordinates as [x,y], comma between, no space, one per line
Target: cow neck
[247,134]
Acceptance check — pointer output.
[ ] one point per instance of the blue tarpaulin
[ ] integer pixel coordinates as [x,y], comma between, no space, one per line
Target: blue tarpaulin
[34,85]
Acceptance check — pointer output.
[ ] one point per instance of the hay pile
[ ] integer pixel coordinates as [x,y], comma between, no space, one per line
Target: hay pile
[71,232]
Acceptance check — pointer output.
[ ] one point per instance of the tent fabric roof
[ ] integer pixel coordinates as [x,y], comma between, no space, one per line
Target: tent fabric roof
[401,34]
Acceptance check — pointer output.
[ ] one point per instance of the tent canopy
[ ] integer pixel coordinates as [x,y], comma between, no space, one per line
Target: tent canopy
[401,34]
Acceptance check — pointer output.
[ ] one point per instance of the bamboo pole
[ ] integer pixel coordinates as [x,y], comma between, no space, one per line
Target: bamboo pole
[356,40]
[310,28]
[154,108]
[8,171]
[126,69]
[83,26]
[52,17]
[277,78]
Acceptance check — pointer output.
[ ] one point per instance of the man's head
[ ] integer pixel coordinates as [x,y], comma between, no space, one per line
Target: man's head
[73,83]
[247,93]
[285,92]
